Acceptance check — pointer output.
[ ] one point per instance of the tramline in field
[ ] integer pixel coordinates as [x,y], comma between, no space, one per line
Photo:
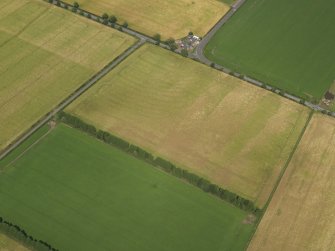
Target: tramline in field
[169,18]
[287,44]
[78,193]
[45,55]
[300,215]
[236,135]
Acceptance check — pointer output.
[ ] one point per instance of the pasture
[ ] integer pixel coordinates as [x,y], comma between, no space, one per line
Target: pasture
[77,193]
[172,18]
[234,134]
[45,54]
[301,213]
[284,43]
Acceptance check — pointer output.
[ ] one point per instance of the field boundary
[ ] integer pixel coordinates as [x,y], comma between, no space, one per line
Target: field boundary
[280,176]
[198,56]
[97,18]
[162,164]
[69,99]
[20,235]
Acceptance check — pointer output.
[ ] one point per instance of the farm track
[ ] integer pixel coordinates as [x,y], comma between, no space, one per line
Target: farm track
[89,83]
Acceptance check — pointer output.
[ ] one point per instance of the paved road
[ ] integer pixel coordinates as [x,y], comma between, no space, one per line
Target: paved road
[200,48]
[199,54]
[131,32]
[72,97]
[142,39]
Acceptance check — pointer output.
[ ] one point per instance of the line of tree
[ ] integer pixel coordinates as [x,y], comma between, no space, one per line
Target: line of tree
[105,18]
[165,165]
[15,232]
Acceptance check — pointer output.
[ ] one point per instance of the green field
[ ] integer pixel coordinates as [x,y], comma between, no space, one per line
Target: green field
[170,18]
[78,193]
[45,54]
[217,126]
[288,44]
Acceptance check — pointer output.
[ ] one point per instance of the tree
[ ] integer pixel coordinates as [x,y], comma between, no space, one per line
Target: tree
[113,19]
[125,25]
[184,52]
[157,37]
[172,44]
[76,5]
[212,65]
[190,33]
[105,16]
[173,47]
[170,41]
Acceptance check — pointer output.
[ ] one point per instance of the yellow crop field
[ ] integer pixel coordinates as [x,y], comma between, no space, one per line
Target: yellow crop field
[236,135]
[7,244]
[45,54]
[171,18]
[301,215]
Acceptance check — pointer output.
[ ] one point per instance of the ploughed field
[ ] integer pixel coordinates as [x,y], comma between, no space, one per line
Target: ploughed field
[46,54]
[236,135]
[170,18]
[78,193]
[288,44]
[301,213]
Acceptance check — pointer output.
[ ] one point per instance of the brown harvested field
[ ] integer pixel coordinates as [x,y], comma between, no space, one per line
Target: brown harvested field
[301,215]
[170,18]
[236,135]
[46,53]
[7,244]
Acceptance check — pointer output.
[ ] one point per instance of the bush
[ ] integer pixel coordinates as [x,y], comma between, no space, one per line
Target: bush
[157,37]
[167,166]
[184,52]
[125,25]
[172,44]
[113,19]
[105,16]
[17,233]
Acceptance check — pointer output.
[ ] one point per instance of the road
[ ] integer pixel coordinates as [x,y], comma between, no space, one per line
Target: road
[142,39]
[72,97]
[199,54]
[200,48]
[128,31]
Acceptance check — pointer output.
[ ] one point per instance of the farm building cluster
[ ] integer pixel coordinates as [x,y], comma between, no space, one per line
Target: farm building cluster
[189,42]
